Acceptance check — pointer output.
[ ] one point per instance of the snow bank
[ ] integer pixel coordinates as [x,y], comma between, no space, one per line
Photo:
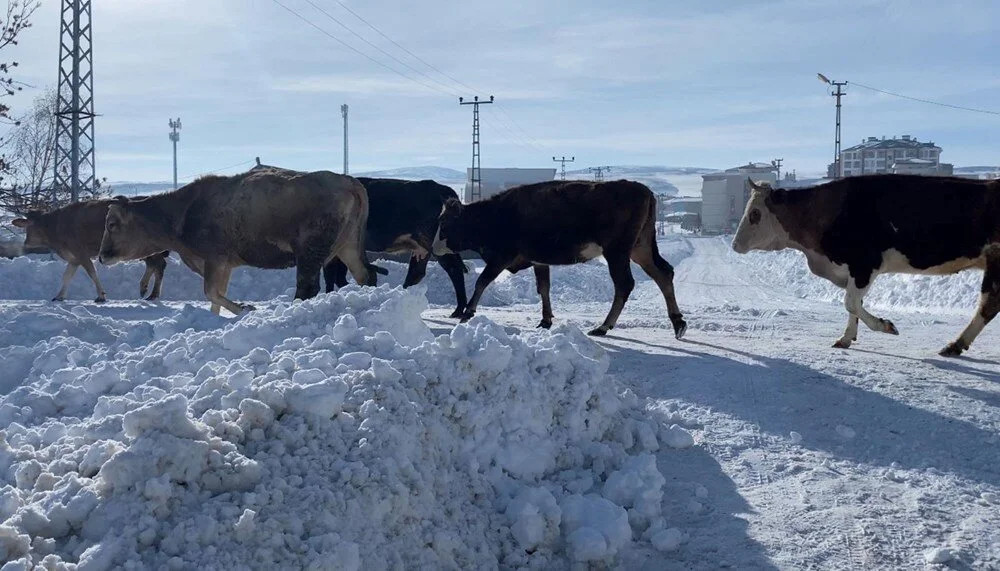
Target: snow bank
[787,269]
[336,432]
[36,278]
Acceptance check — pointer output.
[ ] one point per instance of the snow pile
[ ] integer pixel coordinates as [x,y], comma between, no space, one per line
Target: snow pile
[787,269]
[39,278]
[335,432]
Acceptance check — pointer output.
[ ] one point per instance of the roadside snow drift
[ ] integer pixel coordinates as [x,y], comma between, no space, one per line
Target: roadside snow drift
[336,432]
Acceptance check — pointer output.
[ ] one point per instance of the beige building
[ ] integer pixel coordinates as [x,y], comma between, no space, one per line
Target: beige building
[905,155]
[724,195]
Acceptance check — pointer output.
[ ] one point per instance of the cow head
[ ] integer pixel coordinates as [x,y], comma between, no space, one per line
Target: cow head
[760,229]
[450,236]
[35,231]
[129,234]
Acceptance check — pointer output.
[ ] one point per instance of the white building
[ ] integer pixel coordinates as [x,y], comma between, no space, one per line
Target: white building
[724,195]
[905,155]
[495,181]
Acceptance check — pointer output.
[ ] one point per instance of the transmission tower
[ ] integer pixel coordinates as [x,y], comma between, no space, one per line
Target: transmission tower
[836,140]
[776,163]
[599,172]
[74,148]
[476,182]
[174,137]
[343,112]
[563,160]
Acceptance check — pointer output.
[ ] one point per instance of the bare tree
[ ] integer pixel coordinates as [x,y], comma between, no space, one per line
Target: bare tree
[29,151]
[12,25]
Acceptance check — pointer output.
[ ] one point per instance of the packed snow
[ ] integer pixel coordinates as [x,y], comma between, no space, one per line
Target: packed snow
[365,429]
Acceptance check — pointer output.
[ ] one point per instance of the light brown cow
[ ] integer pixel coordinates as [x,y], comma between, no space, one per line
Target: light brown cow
[265,218]
[74,233]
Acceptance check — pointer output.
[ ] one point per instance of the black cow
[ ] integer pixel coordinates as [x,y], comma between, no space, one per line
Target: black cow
[853,229]
[560,223]
[403,217]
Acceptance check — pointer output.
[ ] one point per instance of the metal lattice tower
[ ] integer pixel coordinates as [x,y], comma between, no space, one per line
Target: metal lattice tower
[563,160]
[599,173]
[476,182]
[74,157]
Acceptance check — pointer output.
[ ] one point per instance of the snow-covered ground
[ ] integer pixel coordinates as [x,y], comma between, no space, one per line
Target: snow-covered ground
[364,429]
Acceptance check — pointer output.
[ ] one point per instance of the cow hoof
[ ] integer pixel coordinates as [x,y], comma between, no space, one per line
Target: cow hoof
[466,316]
[951,350]
[152,297]
[457,313]
[598,332]
[544,324]
[680,328]
[101,299]
[889,328]
[58,298]
[842,344]
[246,307]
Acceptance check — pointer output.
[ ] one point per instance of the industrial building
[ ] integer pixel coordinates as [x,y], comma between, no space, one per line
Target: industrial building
[725,194]
[495,181]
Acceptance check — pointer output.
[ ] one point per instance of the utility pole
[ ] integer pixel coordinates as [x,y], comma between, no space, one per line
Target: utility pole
[175,136]
[476,184]
[599,173]
[776,163]
[837,170]
[563,160]
[343,113]
[74,144]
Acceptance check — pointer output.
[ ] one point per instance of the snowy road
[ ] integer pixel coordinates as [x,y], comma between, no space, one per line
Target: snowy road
[806,457]
[811,457]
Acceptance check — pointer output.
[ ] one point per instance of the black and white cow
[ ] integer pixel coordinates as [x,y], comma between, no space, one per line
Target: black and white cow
[403,217]
[853,229]
[560,223]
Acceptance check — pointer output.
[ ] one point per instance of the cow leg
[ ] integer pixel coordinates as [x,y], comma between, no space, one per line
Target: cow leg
[88,266]
[543,283]
[621,275]
[68,274]
[307,270]
[490,273]
[416,270]
[854,303]
[649,259]
[989,306]
[216,283]
[155,266]
[357,263]
[335,275]
[453,265]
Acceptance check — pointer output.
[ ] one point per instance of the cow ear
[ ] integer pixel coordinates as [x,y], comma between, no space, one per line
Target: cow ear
[21,222]
[759,187]
[777,196]
[452,205]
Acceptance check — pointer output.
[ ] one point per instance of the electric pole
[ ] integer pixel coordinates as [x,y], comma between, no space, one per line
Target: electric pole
[776,163]
[836,143]
[343,113]
[175,136]
[563,160]
[599,173]
[74,143]
[476,182]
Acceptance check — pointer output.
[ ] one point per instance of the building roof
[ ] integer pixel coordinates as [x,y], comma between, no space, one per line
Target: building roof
[905,141]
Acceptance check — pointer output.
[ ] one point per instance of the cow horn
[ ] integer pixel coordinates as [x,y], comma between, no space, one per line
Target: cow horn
[758,187]
[123,200]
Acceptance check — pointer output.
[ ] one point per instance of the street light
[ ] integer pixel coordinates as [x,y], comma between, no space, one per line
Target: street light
[836,140]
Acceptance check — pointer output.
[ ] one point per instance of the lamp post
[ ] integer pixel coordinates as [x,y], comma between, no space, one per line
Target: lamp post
[837,170]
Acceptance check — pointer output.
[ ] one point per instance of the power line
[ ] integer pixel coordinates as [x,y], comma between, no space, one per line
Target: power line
[900,95]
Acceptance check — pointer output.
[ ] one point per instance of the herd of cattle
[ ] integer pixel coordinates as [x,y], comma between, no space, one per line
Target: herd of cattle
[850,230]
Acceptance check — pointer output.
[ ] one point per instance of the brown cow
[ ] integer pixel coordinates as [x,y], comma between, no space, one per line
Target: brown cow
[561,223]
[74,233]
[264,218]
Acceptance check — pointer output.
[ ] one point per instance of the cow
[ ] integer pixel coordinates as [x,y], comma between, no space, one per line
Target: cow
[561,223]
[403,217]
[267,218]
[853,229]
[74,233]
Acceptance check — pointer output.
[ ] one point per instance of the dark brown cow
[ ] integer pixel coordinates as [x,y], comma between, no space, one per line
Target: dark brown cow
[853,229]
[74,233]
[559,223]
[266,218]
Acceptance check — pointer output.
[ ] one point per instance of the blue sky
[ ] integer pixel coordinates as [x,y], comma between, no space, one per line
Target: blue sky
[708,83]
